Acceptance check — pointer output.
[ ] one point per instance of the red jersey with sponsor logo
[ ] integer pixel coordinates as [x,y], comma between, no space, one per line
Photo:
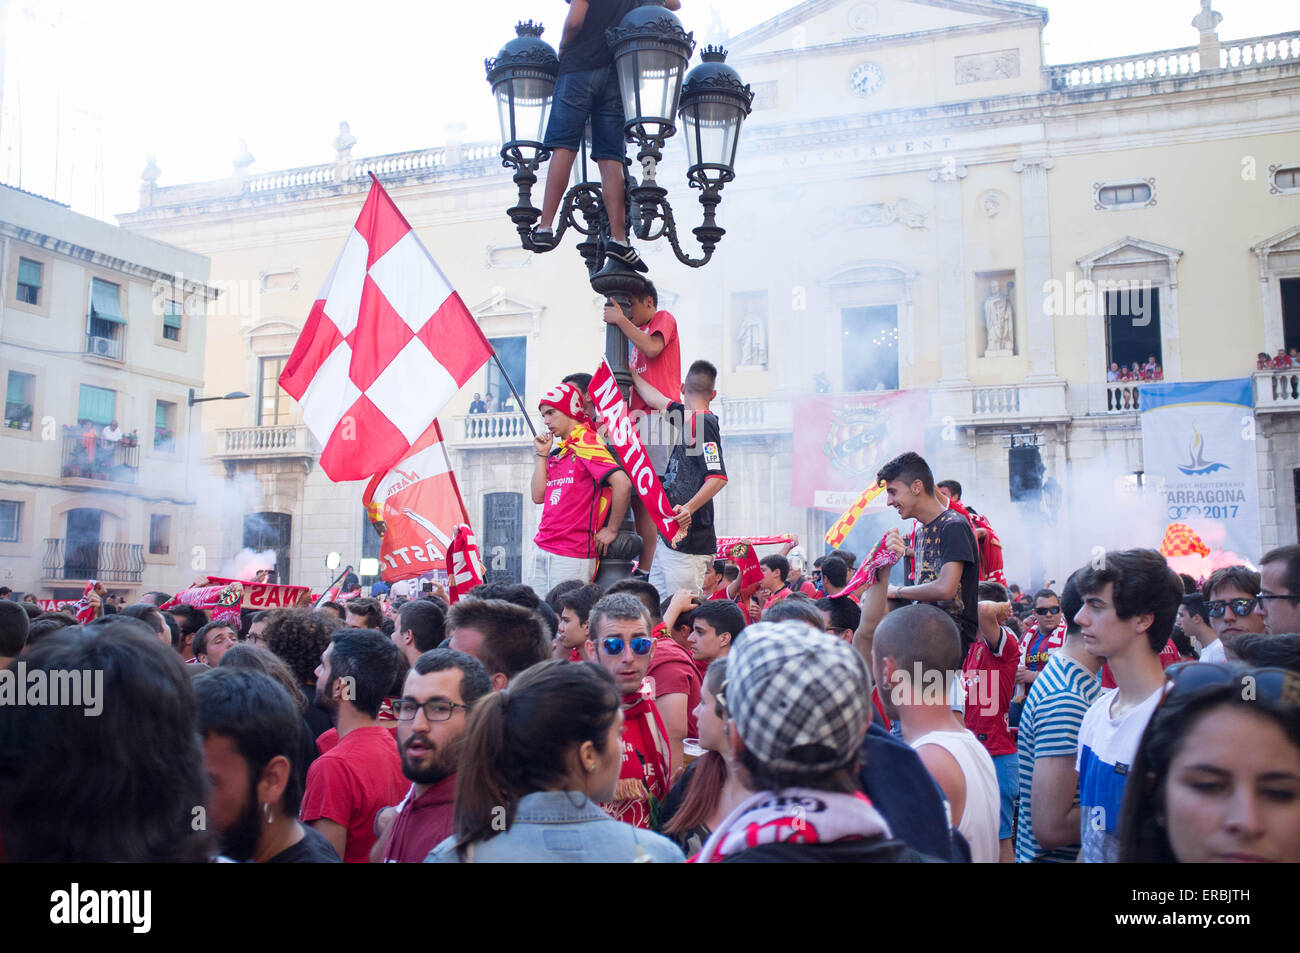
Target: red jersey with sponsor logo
[576,502]
[643,779]
[990,679]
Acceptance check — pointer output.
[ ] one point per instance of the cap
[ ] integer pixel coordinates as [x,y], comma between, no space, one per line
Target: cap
[800,697]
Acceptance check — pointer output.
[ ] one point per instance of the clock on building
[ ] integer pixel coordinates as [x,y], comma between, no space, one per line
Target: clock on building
[866,79]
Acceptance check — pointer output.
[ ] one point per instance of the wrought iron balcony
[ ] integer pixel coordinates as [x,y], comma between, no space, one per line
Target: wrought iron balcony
[83,561]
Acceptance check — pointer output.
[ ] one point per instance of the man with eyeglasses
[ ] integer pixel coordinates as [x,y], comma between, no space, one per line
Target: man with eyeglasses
[440,689]
[1230,600]
[619,636]
[1279,590]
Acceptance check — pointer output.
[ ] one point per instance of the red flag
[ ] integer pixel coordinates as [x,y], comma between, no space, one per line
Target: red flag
[725,541]
[386,346]
[751,573]
[419,507]
[464,567]
[620,433]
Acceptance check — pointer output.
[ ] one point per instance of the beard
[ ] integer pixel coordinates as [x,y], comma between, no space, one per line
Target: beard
[240,840]
[442,766]
[325,700]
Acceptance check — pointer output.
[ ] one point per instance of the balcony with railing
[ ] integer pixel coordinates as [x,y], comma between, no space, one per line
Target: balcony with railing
[87,456]
[1254,52]
[1277,390]
[489,430]
[755,415]
[83,561]
[1000,404]
[284,441]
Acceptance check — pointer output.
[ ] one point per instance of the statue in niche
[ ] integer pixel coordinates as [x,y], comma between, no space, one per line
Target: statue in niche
[752,341]
[1000,322]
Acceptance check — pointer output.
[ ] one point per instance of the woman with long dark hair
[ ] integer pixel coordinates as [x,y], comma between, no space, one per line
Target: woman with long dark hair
[1217,775]
[708,789]
[536,761]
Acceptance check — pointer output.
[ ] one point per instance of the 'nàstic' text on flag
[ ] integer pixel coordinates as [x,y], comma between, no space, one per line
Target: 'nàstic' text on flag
[387,344]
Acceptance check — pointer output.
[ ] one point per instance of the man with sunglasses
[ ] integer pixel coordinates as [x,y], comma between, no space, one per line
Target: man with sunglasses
[619,636]
[1279,590]
[1230,600]
[1044,636]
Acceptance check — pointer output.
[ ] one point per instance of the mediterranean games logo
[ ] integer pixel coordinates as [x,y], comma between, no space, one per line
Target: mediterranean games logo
[1196,464]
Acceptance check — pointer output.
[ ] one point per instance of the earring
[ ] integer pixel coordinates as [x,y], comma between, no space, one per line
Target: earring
[267,807]
[590,768]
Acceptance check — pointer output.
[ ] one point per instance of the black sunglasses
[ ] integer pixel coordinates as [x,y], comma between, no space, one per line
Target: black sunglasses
[1240,607]
[1047,610]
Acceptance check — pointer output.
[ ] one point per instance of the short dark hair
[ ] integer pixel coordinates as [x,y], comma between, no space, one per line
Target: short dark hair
[908,467]
[580,380]
[201,636]
[48,623]
[844,612]
[475,682]
[367,610]
[919,634]
[952,486]
[1072,602]
[299,636]
[799,608]
[1141,582]
[1262,650]
[779,564]
[1291,556]
[722,615]
[245,655]
[426,621]
[155,598]
[990,591]
[370,660]
[731,572]
[647,594]
[835,571]
[1046,594]
[648,291]
[701,379]
[579,601]
[1189,584]
[513,636]
[1194,603]
[14,625]
[1244,578]
[559,589]
[189,618]
[145,612]
[255,712]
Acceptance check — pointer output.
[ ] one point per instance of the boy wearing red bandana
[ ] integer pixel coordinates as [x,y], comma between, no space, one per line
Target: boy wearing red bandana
[620,639]
[582,490]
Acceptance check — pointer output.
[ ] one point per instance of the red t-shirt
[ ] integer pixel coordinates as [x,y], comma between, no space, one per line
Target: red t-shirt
[422,823]
[673,671]
[776,597]
[575,505]
[990,680]
[351,783]
[663,373]
[1168,656]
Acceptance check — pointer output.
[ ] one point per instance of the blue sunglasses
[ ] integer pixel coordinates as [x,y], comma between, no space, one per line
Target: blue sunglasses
[614,646]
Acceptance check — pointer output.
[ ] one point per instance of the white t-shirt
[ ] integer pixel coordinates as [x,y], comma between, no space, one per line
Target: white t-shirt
[1107,747]
[979,816]
[112,433]
[1214,652]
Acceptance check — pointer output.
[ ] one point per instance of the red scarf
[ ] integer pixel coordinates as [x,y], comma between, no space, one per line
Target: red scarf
[643,780]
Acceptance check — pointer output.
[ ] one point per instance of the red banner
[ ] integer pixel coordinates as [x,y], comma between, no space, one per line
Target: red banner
[265,595]
[465,566]
[416,507]
[725,541]
[620,434]
[840,442]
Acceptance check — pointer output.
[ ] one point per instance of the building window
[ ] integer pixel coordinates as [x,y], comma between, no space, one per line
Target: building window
[160,534]
[273,407]
[11,515]
[105,332]
[870,348]
[172,312]
[97,404]
[1133,342]
[263,531]
[20,390]
[513,353]
[164,425]
[1120,195]
[1284,179]
[29,281]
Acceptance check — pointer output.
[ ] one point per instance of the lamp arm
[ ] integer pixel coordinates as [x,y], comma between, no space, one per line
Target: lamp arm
[708,234]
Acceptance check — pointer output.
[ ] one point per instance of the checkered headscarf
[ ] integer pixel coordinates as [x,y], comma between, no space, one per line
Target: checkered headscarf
[790,685]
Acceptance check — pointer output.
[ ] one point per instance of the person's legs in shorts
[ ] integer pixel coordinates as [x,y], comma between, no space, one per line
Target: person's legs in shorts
[608,149]
[570,106]
[673,571]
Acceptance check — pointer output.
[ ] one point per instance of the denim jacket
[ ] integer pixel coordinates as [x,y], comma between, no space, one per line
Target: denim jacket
[563,827]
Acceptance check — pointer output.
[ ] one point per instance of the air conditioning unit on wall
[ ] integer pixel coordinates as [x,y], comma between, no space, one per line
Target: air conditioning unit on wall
[103,347]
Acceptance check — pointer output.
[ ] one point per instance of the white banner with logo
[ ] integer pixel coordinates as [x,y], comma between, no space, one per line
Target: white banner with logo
[1198,448]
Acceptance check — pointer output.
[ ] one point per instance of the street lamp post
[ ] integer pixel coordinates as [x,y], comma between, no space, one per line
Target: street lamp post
[651,50]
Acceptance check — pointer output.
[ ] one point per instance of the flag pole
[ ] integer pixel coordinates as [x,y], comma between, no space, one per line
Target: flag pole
[518,400]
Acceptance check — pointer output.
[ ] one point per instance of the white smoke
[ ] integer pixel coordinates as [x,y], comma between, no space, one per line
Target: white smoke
[247,563]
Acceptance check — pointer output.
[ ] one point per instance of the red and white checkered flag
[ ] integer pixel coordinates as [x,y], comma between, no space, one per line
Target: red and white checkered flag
[387,345]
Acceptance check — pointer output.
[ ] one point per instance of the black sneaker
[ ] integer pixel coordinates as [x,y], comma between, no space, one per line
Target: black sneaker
[627,255]
[543,239]
[640,574]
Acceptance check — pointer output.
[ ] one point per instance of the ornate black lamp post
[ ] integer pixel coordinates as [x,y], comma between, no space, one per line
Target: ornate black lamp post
[651,50]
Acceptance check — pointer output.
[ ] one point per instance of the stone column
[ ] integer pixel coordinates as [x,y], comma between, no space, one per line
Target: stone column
[950,240]
[1039,322]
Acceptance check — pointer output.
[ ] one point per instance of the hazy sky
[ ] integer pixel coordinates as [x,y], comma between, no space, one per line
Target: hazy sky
[92,88]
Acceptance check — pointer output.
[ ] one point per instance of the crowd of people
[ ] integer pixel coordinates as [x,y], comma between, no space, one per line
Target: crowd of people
[1279,361]
[854,710]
